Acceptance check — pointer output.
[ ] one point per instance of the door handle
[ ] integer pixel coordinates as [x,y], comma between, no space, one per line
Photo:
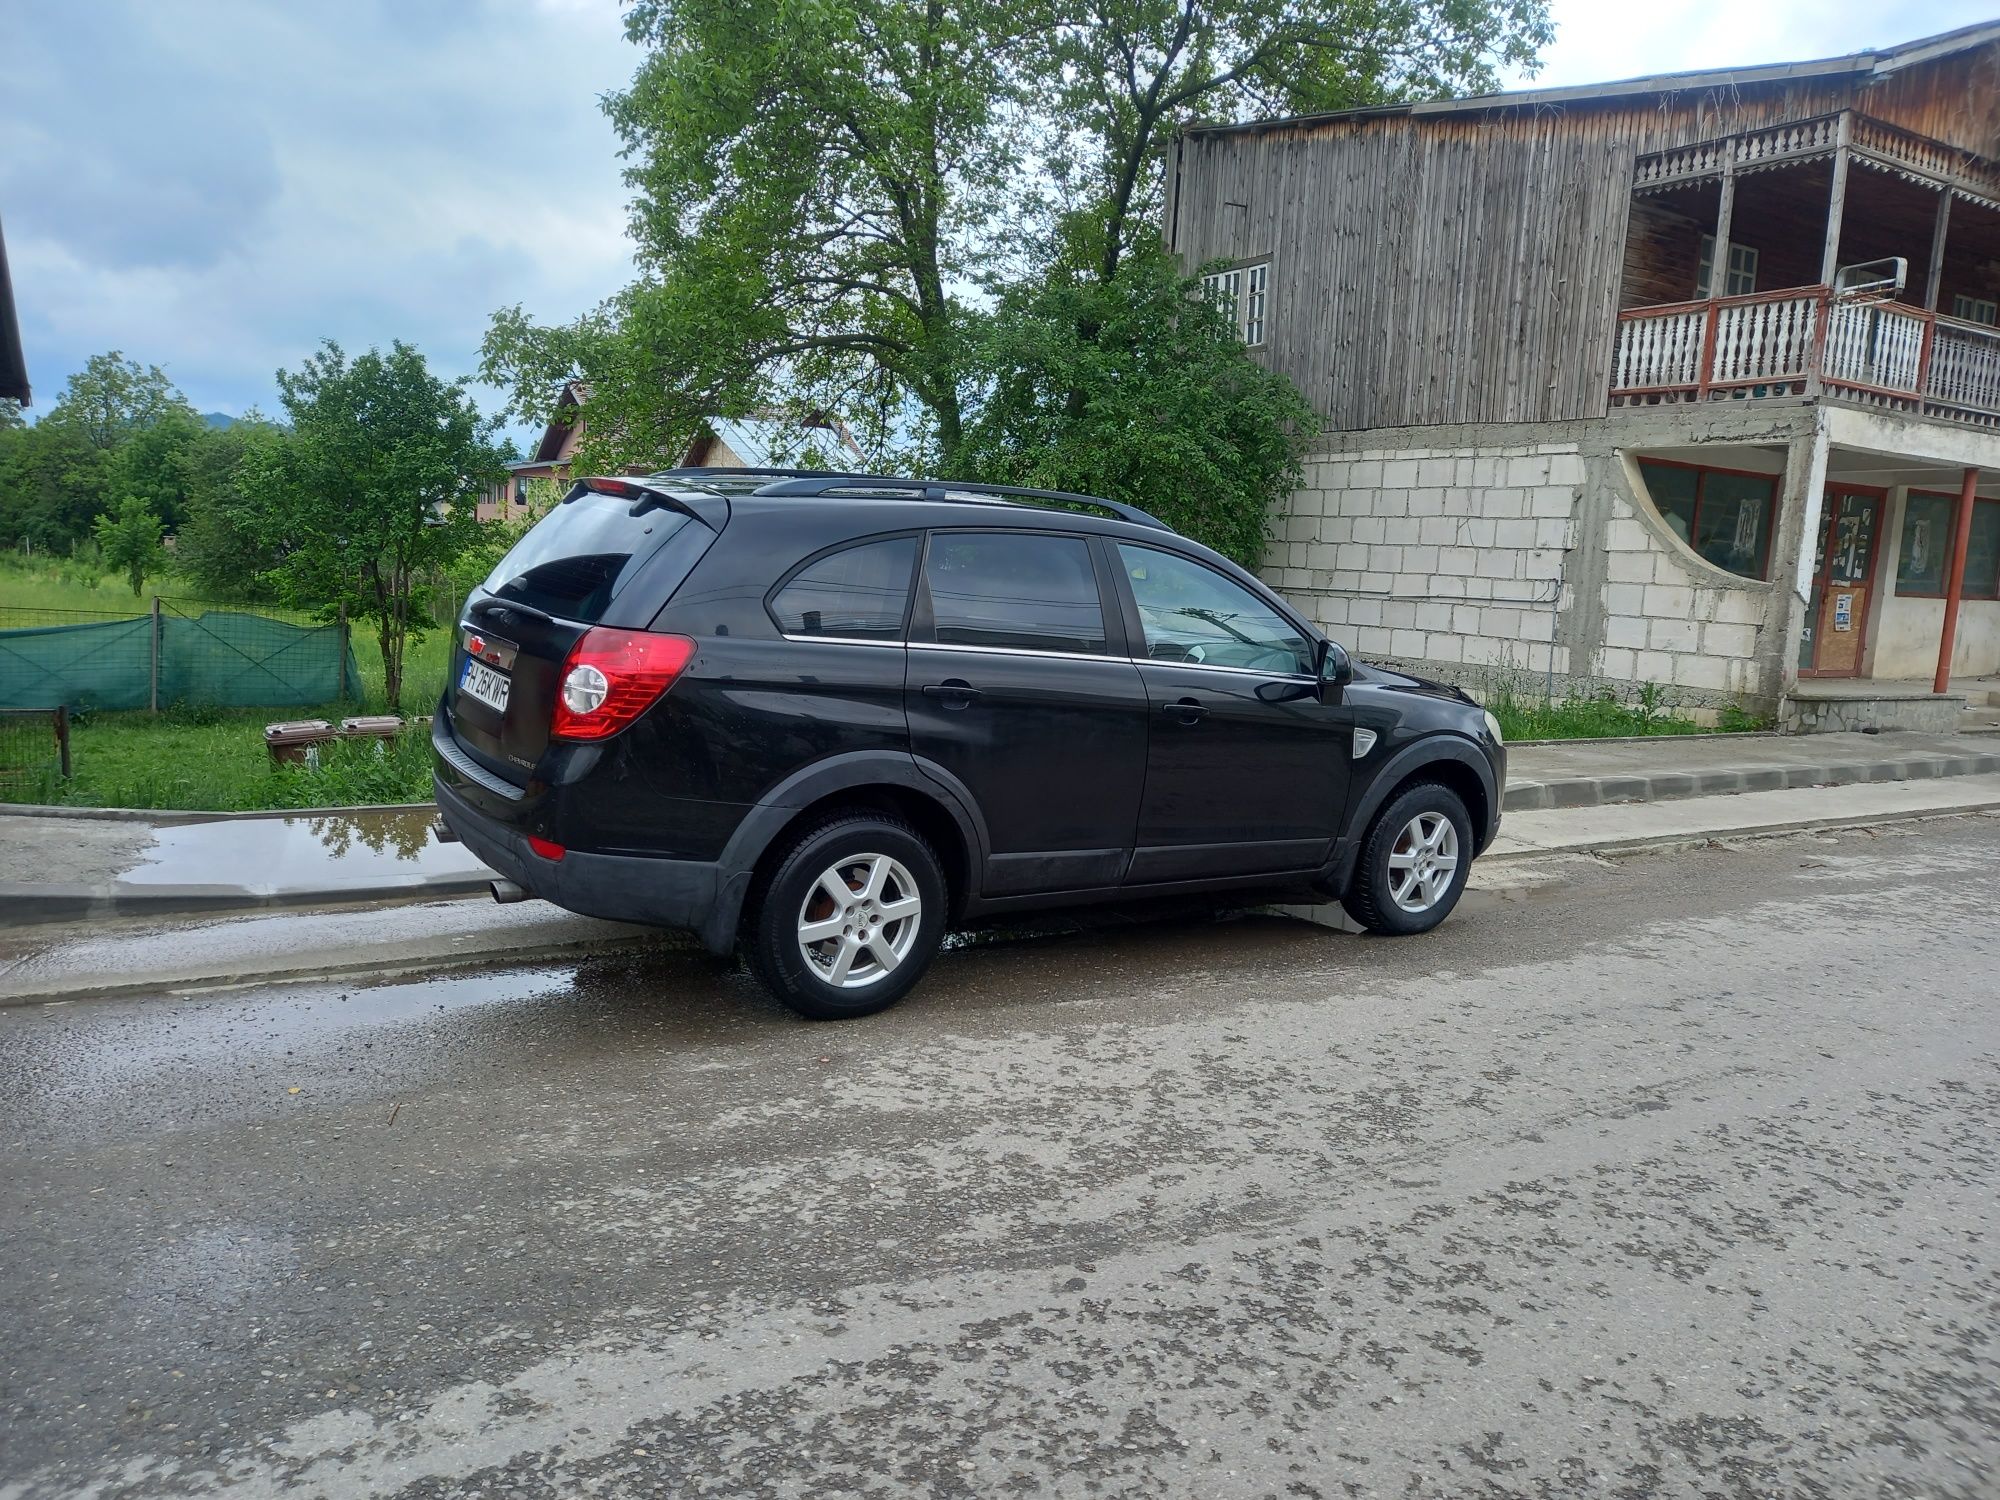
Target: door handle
[953,692]
[1185,710]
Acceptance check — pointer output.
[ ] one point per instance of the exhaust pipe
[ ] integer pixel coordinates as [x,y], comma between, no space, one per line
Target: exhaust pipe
[506,892]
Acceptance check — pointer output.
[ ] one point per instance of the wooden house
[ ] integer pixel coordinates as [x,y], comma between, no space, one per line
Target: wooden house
[1691,379]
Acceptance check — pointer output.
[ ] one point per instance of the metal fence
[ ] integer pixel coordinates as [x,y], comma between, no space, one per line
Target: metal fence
[179,651]
[34,753]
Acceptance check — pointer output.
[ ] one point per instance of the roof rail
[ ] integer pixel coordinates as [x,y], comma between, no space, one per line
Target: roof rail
[828,482]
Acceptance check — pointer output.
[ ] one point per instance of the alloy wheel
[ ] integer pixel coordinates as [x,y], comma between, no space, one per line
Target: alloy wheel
[859,921]
[1423,862]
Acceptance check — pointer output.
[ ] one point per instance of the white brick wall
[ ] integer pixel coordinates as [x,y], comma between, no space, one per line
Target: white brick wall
[1664,623]
[1447,556]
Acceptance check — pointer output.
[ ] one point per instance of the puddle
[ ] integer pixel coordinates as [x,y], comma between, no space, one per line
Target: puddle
[270,855]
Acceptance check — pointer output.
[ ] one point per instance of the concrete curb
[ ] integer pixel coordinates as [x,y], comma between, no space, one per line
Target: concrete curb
[1658,843]
[1602,791]
[28,904]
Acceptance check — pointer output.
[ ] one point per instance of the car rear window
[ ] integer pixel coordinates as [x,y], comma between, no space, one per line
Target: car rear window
[859,593]
[1015,590]
[576,558]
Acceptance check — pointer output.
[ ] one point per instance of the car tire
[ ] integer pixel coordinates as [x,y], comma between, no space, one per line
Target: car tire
[873,946]
[1402,883]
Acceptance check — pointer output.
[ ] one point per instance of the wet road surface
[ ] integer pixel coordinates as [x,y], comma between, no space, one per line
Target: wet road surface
[1675,1179]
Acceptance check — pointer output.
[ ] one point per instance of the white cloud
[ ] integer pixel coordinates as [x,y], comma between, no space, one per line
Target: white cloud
[1598,42]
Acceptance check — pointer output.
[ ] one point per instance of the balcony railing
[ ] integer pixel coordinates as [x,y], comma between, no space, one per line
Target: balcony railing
[1806,340]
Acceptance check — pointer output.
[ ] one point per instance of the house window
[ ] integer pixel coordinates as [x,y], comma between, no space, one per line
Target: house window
[1976,309]
[1244,295]
[1929,517]
[1982,554]
[1726,515]
[1256,288]
[1926,544]
[1742,269]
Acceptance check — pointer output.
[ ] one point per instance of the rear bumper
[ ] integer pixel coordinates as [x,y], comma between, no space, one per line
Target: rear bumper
[675,893]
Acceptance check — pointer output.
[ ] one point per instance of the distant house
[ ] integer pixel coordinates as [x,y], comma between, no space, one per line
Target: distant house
[13,365]
[761,439]
[1691,379]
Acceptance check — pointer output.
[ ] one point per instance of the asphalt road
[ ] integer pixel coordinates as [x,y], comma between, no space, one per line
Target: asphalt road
[1679,1178]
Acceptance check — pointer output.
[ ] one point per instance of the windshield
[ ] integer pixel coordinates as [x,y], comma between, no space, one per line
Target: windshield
[574,561]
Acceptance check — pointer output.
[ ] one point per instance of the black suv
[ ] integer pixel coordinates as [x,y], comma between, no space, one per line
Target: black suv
[831,716]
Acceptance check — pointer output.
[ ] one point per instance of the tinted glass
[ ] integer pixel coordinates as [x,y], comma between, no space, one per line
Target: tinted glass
[1926,544]
[1036,593]
[1982,557]
[860,593]
[575,559]
[1192,613]
[1732,523]
[1673,491]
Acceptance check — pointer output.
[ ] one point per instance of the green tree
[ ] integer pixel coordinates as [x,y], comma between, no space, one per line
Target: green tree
[1138,389]
[813,183]
[112,397]
[371,494]
[129,540]
[220,547]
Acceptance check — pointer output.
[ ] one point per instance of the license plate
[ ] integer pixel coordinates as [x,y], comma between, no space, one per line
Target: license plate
[481,682]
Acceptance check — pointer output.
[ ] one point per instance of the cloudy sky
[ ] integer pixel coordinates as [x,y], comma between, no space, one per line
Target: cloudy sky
[215,185]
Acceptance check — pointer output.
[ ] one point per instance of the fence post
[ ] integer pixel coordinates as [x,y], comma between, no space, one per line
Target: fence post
[62,738]
[156,655]
[341,618]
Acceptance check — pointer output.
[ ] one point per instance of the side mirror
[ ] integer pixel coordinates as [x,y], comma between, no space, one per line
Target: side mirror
[1336,670]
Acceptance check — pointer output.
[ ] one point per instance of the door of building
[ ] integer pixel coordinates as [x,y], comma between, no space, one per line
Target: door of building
[1850,539]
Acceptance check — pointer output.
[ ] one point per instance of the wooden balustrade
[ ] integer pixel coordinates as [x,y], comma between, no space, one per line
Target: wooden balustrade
[1790,342]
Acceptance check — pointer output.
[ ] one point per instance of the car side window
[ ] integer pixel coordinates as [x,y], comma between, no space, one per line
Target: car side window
[1191,613]
[1014,590]
[858,593]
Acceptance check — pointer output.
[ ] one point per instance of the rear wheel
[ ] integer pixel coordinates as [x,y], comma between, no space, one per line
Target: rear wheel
[1414,863]
[850,918]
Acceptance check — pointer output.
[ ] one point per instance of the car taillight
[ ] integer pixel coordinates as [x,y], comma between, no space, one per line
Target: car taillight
[611,677]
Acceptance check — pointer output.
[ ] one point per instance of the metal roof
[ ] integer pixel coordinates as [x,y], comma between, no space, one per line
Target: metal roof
[1878,63]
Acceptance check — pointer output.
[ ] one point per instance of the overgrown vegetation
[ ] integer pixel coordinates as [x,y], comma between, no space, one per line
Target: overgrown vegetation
[1605,716]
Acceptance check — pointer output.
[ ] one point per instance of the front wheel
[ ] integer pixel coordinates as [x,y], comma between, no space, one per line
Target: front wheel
[1414,863]
[850,918]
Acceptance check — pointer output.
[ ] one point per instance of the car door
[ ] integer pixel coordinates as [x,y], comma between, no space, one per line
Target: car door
[1019,689]
[1246,769]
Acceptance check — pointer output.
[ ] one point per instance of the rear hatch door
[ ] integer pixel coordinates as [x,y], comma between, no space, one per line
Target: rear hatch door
[570,572]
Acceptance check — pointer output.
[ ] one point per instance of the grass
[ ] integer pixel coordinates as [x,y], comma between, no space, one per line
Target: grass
[214,760]
[1604,717]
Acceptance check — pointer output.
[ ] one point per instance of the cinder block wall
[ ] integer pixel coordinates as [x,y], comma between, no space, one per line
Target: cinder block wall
[1524,555]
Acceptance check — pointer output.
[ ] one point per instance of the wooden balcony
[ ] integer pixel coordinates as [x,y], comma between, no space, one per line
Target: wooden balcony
[1808,341]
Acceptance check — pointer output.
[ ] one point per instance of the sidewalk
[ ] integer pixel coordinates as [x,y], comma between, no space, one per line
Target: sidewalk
[57,962]
[98,864]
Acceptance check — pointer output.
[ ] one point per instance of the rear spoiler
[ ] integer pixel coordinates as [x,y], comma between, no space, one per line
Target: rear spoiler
[711,509]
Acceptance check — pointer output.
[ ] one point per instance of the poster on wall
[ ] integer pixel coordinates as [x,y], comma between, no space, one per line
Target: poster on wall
[1843,611]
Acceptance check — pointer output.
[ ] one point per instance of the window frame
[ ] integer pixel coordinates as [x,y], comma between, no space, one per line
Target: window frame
[1971,305]
[921,628]
[849,544]
[1705,264]
[1701,471]
[1135,622]
[1244,286]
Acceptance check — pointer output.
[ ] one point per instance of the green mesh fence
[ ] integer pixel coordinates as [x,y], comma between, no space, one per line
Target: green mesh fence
[187,653]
